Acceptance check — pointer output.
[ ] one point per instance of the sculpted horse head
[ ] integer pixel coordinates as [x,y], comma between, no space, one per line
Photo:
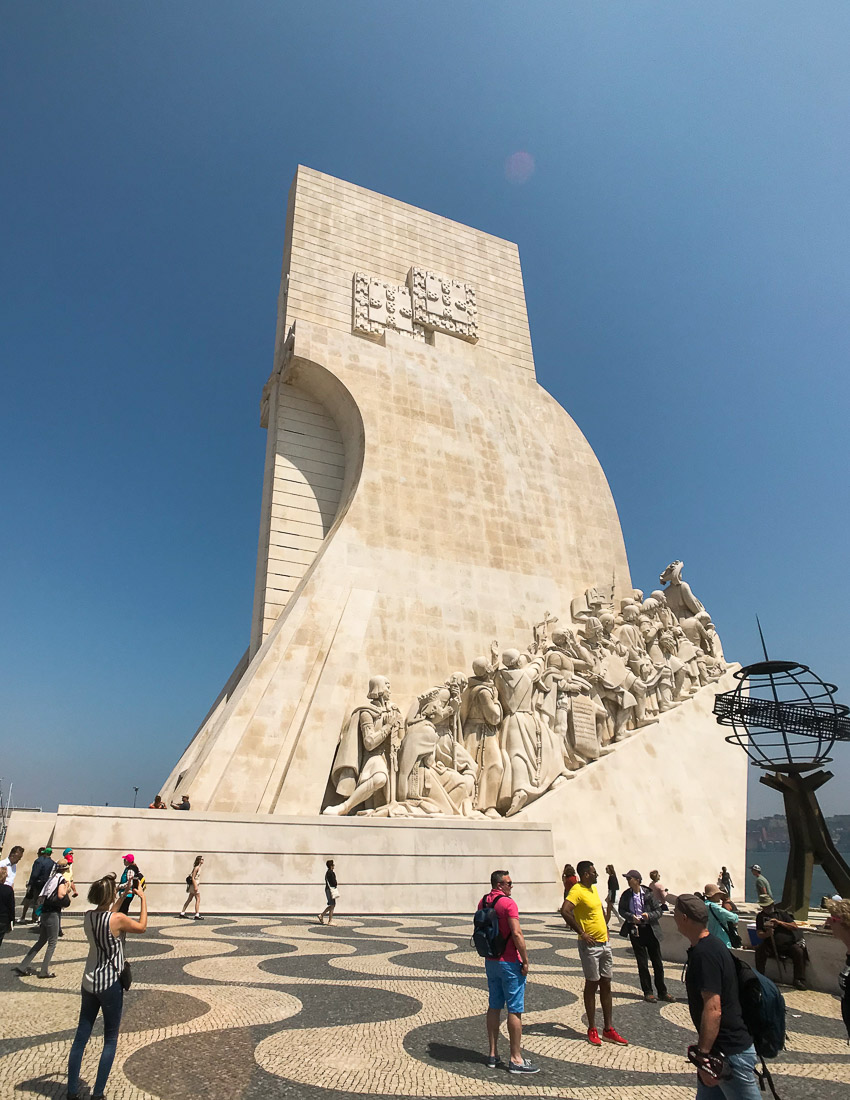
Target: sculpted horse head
[672,574]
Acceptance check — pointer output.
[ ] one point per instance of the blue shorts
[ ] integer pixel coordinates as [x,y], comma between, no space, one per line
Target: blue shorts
[506,984]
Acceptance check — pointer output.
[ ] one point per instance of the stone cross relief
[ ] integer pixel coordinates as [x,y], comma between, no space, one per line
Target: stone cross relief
[427,303]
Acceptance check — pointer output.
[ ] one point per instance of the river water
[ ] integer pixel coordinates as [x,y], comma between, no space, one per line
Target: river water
[773,868]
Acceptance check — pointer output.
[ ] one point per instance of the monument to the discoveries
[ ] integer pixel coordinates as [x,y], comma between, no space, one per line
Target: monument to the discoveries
[449,666]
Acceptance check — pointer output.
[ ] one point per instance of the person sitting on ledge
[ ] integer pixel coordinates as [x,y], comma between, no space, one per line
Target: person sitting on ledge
[158,804]
[781,938]
[184,804]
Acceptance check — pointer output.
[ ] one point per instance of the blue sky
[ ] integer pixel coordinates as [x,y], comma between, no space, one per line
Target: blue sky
[684,238]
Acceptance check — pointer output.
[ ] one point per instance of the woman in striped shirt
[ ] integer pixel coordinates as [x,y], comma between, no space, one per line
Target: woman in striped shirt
[101,990]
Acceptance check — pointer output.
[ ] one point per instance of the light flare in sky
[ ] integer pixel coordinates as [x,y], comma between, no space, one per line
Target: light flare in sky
[519,167]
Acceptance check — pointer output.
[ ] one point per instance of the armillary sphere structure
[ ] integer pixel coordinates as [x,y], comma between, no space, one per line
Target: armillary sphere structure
[787,721]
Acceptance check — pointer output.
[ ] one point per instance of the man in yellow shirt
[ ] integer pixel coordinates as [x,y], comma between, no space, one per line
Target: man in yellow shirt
[582,910]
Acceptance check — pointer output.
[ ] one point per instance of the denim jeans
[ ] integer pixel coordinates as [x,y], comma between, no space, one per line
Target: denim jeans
[741,1085]
[112,1002]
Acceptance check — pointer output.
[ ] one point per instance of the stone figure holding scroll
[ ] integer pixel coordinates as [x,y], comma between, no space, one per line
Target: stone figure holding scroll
[364,759]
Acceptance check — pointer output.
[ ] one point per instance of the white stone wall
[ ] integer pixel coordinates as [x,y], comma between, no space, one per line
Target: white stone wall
[338,228]
[308,473]
[261,864]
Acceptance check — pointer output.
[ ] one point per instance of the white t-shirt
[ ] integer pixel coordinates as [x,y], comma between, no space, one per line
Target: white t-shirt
[12,869]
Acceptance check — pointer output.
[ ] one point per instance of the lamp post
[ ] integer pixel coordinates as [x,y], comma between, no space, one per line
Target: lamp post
[135,793]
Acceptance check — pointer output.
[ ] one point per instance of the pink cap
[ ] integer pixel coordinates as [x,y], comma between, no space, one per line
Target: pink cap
[129,858]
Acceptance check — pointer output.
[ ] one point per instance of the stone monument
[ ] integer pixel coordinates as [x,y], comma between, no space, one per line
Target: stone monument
[424,503]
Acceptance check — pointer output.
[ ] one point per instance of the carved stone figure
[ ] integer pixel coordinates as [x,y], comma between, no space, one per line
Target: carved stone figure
[481,717]
[365,757]
[534,761]
[681,601]
[623,693]
[571,692]
[436,775]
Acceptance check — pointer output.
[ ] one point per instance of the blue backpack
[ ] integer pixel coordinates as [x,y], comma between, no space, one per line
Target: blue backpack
[763,1010]
[487,940]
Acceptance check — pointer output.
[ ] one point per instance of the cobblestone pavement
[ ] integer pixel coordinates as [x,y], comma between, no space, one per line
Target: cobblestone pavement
[276,1008]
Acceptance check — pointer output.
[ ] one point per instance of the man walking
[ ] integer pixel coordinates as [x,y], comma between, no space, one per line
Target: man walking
[41,871]
[506,975]
[641,911]
[582,911]
[765,895]
[724,1054]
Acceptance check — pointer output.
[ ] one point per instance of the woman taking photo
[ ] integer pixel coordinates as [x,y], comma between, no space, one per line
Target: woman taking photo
[102,988]
[193,889]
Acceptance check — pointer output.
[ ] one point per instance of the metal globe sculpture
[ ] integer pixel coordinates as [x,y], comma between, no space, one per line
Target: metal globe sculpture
[783,715]
[786,720]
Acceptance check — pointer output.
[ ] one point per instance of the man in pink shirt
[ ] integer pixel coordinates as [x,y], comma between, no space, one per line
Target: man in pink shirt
[506,975]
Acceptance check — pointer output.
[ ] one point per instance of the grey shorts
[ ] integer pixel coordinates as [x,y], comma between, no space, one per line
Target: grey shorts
[597,961]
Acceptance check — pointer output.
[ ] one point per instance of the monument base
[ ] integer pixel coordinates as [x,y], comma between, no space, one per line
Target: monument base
[269,864]
[672,796]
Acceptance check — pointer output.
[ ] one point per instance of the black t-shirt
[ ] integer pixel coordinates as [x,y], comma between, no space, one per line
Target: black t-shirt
[613,884]
[711,969]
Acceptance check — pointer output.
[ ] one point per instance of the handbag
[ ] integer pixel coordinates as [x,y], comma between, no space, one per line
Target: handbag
[126,976]
[334,893]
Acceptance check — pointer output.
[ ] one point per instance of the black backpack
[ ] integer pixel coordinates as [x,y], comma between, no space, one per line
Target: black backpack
[486,937]
[763,1010]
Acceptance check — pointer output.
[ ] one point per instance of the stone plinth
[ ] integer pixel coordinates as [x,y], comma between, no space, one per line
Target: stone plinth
[257,863]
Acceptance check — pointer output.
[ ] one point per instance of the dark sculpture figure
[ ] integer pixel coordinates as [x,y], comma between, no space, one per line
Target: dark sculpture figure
[786,719]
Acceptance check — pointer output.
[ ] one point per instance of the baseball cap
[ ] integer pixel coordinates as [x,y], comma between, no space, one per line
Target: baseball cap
[633,874]
[129,858]
[48,851]
[755,867]
[692,907]
[68,852]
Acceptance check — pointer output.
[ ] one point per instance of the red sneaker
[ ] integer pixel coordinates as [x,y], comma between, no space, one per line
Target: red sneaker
[593,1037]
[611,1035]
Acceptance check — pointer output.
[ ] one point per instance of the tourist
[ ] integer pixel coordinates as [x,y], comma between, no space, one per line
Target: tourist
[613,887]
[724,881]
[720,919]
[11,864]
[506,975]
[641,911]
[183,804]
[659,891]
[42,869]
[102,990]
[568,877]
[50,901]
[838,923]
[781,938]
[68,856]
[7,902]
[193,889]
[130,883]
[724,1053]
[157,804]
[763,891]
[331,893]
[582,911]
